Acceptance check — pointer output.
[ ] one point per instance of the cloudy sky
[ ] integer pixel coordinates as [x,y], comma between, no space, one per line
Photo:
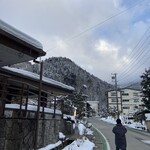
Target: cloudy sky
[101,36]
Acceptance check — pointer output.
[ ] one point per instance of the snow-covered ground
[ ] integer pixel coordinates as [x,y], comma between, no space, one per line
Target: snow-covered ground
[135,125]
[85,144]
[82,143]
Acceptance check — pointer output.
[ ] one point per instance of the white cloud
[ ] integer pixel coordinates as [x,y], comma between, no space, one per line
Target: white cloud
[106,49]
[74,29]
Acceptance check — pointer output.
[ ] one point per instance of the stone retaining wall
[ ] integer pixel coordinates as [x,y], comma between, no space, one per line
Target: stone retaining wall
[19,134]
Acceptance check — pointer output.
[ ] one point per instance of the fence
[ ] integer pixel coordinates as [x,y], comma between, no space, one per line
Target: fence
[19,103]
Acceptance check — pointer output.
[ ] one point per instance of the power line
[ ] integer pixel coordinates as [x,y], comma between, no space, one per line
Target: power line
[139,57]
[101,23]
[133,52]
[127,76]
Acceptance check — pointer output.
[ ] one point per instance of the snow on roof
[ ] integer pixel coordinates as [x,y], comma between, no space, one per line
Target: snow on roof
[31,108]
[20,35]
[37,77]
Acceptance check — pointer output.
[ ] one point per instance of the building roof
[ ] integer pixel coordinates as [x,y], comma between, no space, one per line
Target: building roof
[124,89]
[17,46]
[35,77]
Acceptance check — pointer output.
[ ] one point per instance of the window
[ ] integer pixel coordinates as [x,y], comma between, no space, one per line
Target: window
[113,100]
[126,107]
[135,94]
[125,94]
[113,93]
[136,100]
[125,100]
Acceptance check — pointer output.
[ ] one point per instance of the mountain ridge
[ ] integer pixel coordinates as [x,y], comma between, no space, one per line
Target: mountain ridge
[66,71]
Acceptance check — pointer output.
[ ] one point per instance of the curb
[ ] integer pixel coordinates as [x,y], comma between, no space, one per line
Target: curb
[104,139]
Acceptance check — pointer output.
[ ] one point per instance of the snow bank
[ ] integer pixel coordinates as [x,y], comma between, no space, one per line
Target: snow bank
[81,129]
[135,125]
[147,116]
[51,146]
[61,135]
[80,144]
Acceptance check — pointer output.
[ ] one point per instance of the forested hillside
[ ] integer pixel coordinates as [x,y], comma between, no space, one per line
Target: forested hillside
[66,71]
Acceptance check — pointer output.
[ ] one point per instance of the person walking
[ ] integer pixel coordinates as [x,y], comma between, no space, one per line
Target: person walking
[120,138]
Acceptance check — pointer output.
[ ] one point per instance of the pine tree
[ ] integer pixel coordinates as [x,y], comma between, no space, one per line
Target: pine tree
[146,88]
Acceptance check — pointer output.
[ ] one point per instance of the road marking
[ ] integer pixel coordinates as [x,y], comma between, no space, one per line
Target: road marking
[107,144]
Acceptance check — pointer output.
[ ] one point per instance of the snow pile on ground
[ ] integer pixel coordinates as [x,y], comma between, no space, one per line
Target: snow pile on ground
[88,131]
[84,128]
[135,125]
[61,135]
[109,119]
[147,116]
[80,144]
[81,129]
[146,141]
[83,143]
[51,146]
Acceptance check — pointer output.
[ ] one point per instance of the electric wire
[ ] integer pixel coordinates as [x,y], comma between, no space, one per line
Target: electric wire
[100,23]
[134,50]
[138,71]
[137,59]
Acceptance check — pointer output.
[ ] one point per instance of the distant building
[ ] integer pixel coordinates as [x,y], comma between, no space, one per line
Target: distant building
[94,105]
[129,100]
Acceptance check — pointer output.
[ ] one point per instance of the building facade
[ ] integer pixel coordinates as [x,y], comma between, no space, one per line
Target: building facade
[94,105]
[127,100]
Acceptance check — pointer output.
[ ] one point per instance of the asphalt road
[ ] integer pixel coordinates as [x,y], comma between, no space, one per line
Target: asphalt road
[134,138]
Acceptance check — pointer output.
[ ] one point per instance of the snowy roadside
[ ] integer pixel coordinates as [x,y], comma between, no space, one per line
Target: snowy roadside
[81,143]
[133,125]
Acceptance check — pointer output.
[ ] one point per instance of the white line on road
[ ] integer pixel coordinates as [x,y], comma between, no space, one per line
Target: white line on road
[108,146]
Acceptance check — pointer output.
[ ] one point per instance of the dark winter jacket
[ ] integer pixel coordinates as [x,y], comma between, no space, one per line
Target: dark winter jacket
[120,139]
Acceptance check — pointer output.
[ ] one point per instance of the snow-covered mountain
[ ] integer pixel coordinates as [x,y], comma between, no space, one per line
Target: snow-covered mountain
[67,72]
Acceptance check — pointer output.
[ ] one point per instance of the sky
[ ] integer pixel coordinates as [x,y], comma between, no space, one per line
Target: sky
[101,36]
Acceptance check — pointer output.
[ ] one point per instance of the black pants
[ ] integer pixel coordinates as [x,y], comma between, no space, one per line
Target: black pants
[119,148]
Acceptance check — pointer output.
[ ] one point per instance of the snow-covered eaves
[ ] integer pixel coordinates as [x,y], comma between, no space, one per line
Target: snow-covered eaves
[20,35]
[17,46]
[32,108]
[45,80]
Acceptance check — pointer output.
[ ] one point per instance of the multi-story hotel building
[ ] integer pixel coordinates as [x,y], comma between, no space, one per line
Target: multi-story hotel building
[129,100]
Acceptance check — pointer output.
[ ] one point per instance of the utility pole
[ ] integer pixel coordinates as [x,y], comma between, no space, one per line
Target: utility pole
[38,107]
[114,77]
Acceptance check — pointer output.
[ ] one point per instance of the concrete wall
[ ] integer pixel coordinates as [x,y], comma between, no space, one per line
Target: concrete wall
[19,134]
